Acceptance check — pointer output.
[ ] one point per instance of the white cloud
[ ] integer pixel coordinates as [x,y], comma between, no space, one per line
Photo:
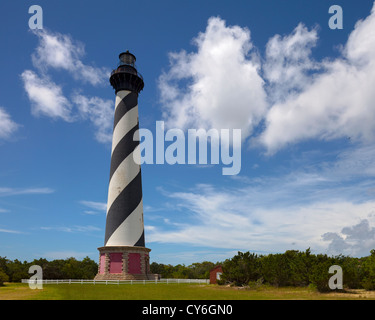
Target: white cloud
[100,206]
[187,257]
[73,229]
[286,95]
[355,240]
[4,191]
[46,97]
[298,209]
[239,220]
[7,125]
[216,87]
[91,213]
[288,61]
[99,112]
[338,102]
[59,51]
[10,231]
[354,162]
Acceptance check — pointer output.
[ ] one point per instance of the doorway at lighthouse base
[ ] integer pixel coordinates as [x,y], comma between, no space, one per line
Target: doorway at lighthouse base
[124,263]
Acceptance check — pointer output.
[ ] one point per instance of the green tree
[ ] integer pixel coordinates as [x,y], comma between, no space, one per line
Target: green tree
[3,277]
[368,266]
[275,269]
[180,271]
[54,269]
[165,270]
[17,270]
[71,269]
[320,276]
[297,266]
[241,269]
[157,268]
[4,264]
[200,270]
[352,272]
[89,268]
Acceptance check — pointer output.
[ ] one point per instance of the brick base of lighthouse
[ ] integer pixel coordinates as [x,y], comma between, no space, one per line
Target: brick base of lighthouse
[124,263]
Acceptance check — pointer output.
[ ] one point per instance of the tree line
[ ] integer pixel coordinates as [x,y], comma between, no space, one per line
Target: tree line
[197,270]
[298,268]
[70,268]
[292,268]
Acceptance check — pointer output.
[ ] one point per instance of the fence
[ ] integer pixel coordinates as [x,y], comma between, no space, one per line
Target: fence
[82,281]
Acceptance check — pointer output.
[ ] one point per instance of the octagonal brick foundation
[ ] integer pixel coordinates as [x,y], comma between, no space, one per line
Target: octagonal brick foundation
[124,263]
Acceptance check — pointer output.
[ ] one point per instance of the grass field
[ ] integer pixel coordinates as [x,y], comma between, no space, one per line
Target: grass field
[18,291]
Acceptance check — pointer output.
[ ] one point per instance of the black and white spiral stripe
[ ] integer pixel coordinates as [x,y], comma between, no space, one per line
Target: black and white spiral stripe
[124,225]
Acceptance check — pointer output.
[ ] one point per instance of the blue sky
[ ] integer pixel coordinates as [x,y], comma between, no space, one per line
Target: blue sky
[301,93]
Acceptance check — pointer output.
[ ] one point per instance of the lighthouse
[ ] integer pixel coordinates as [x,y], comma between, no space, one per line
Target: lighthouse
[124,255]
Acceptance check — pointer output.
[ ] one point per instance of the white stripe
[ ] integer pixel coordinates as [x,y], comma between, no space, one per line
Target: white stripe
[121,95]
[127,122]
[129,232]
[123,175]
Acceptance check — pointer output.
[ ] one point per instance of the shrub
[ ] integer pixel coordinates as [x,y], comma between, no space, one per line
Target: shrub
[368,266]
[241,269]
[3,277]
[319,275]
[352,272]
[255,284]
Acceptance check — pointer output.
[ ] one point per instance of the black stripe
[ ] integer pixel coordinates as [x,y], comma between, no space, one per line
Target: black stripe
[125,147]
[123,206]
[141,240]
[126,104]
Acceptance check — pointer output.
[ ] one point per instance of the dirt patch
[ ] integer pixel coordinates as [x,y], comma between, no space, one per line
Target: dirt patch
[13,291]
[299,292]
[353,294]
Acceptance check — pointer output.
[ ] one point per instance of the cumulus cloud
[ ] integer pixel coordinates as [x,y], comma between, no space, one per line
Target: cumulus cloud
[219,86]
[46,97]
[338,102]
[7,125]
[355,240]
[280,99]
[60,51]
[288,62]
[99,112]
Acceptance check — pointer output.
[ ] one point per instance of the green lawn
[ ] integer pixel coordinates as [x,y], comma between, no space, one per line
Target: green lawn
[166,292]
